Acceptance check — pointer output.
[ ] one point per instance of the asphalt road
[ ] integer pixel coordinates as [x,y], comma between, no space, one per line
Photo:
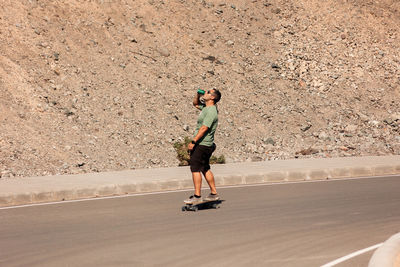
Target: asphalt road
[298,224]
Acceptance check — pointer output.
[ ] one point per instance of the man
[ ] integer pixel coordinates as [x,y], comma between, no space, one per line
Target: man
[202,145]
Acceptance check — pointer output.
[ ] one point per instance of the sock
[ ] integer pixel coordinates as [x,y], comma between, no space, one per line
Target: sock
[196,196]
[213,194]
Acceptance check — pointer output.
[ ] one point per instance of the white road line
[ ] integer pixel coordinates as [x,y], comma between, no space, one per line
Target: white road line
[186,190]
[93,199]
[352,255]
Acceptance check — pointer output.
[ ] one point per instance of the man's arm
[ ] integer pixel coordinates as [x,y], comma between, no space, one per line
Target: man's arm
[196,101]
[202,131]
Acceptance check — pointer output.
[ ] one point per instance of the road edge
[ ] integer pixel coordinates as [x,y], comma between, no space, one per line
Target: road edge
[115,187]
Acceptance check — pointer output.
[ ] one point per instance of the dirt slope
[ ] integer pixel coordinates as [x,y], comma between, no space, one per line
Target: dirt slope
[90,86]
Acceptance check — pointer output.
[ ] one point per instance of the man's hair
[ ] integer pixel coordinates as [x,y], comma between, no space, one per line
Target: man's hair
[217,95]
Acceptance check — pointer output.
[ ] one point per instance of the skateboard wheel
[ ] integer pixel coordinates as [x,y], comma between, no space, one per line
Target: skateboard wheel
[183,208]
[195,208]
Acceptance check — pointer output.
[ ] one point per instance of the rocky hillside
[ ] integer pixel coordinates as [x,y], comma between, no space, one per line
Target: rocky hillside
[88,86]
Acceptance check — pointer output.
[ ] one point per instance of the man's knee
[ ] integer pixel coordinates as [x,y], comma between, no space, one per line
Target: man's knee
[208,173]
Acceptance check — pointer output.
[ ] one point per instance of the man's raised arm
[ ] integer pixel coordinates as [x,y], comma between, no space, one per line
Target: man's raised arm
[196,100]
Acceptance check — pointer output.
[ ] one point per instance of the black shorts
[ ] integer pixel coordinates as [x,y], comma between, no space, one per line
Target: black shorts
[200,158]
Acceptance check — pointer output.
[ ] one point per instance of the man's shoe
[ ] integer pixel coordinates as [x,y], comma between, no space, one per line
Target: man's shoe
[193,200]
[212,197]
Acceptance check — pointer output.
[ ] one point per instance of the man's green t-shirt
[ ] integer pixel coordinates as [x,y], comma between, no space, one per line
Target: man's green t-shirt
[209,118]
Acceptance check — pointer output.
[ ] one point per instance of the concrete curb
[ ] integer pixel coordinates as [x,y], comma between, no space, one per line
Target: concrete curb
[20,191]
[388,255]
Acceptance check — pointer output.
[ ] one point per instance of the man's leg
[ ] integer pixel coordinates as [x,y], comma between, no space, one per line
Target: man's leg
[210,180]
[197,183]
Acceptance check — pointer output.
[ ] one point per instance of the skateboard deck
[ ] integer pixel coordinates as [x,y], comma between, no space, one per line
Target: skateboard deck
[205,204]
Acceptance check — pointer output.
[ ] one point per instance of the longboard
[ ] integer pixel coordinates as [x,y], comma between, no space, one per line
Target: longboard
[205,204]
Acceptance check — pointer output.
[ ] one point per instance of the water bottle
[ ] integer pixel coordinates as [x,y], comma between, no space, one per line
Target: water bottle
[201,98]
